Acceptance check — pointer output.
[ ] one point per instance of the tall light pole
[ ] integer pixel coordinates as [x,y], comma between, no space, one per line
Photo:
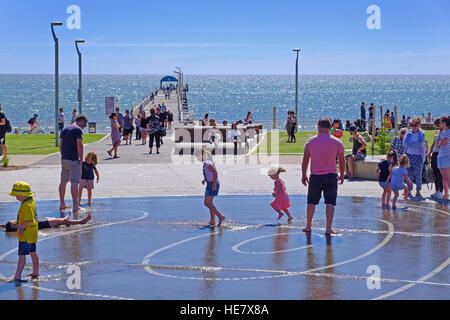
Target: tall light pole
[56,80]
[80,92]
[180,91]
[296,85]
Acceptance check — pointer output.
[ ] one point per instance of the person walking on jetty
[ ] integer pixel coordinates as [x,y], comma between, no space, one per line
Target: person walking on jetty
[115,136]
[27,229]
[138,125]
[281,202]
[415,149]
[119,120]
[71,148]
[127,131]
[143,128]
[322,150]
[211,179]
[154,129]
[169,119]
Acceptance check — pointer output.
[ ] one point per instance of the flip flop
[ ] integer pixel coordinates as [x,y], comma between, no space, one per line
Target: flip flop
[109,153]
[67,207]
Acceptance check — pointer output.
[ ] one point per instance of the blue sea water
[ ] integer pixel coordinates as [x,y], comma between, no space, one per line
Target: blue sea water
[230,97]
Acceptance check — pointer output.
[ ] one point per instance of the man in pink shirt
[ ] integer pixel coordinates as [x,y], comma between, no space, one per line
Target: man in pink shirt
[323,150]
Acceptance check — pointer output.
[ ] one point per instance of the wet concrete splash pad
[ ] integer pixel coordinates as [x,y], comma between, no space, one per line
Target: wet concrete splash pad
[160,248]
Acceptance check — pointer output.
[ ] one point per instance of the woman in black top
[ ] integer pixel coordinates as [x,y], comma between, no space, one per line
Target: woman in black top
[170,119]
[143,128]
[154,129]
[358,152]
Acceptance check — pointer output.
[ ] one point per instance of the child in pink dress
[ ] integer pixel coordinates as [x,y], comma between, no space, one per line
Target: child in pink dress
[281,202]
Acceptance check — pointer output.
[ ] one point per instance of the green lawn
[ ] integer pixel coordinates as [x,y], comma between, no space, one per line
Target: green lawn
[302,137]
[39,144]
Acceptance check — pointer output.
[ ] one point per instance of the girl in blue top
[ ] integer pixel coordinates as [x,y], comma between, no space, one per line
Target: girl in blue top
[397,180]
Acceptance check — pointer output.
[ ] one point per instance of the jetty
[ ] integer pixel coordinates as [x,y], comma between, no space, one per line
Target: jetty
[172,93]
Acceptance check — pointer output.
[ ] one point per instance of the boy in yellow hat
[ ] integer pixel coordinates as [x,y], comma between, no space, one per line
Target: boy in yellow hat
[27,229]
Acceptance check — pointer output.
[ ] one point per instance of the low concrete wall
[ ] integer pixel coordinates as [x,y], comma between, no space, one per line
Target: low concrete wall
[367,169]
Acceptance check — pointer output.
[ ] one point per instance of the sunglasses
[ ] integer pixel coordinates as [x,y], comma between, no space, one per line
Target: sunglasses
[414,125]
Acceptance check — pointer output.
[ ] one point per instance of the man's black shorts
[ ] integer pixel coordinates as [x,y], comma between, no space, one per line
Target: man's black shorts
[2,137]
[327,183]
[127,132]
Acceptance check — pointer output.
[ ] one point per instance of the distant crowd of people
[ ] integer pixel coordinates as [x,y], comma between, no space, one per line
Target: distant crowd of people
[152,127]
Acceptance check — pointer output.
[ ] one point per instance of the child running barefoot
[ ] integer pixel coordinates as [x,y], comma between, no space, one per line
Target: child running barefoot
[87,176]
[397,180]
[212,185]
[281,202]
[383,172]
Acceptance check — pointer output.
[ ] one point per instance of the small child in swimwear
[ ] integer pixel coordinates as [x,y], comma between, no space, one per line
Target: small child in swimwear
[281,202]
[384,169]
[87,176]
[397,180]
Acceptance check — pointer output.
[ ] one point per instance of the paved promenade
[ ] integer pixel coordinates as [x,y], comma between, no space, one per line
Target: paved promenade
[139,174]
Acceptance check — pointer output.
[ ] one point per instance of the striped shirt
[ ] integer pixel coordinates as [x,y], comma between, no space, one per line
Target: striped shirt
[397,145]
[444,151]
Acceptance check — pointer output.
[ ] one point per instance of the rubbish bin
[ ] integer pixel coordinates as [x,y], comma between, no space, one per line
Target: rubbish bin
[92,127]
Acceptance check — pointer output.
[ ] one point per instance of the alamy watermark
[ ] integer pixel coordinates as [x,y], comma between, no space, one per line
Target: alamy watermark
[374,281]
[74,280]
[374,21]
[74,20]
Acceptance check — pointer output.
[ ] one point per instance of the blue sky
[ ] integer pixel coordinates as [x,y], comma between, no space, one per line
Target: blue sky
[228,37]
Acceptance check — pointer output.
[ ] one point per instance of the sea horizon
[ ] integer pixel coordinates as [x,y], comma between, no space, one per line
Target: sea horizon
[230,97]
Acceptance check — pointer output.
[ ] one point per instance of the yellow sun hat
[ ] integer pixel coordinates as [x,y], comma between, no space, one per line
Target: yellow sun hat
[21,189]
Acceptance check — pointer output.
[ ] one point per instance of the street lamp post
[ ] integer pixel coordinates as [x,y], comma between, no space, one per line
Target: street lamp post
[296,84]
[80,92]
[56,80]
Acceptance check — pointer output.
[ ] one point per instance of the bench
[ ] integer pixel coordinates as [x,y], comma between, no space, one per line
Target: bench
[367,169]
[221,148]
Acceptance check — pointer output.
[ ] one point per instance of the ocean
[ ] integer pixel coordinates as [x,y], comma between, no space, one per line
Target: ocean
[229,97]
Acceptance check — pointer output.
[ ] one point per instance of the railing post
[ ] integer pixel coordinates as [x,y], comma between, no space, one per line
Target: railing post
[274,118]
